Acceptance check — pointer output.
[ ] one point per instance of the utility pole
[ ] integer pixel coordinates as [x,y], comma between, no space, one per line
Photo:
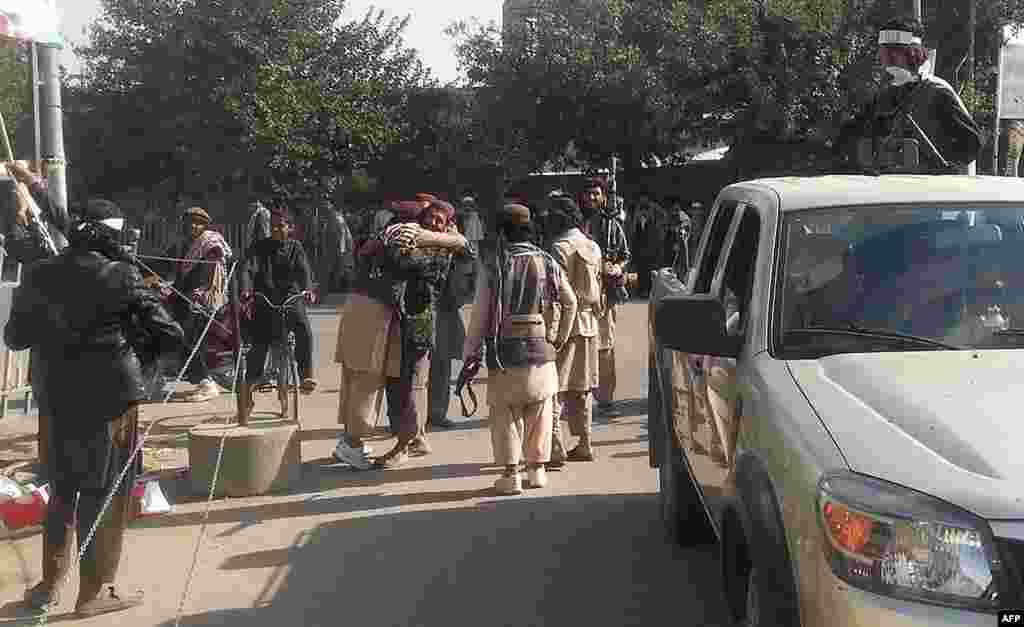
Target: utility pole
[51,133]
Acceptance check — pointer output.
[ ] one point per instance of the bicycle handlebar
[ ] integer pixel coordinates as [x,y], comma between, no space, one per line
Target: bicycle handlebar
[283,305]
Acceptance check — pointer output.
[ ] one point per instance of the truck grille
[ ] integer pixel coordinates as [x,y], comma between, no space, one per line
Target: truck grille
[1011,556]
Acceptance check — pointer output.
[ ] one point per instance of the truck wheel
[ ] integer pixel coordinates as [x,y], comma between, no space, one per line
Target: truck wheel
[686,521]
[754,581]
[654,417]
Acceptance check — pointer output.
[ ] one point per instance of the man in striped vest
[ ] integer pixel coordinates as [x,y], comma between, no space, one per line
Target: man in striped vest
[523,313]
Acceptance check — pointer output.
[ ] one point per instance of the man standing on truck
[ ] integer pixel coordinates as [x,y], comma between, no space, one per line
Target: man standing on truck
[608,232]
[916,104]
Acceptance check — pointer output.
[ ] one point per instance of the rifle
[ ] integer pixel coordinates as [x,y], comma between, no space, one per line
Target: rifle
[469,371]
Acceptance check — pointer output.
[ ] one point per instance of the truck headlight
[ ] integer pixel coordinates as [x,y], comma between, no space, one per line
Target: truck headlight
[897,542]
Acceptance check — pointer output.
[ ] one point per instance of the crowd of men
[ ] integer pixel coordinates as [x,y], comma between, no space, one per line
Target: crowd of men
[545,287]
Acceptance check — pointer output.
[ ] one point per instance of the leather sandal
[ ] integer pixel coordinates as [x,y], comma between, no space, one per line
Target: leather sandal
[108,601]
[579,454]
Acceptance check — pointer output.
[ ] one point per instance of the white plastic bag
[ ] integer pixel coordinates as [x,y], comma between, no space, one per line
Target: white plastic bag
[152,500]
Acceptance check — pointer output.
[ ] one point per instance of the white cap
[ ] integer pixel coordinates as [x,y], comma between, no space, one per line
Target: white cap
[898,38]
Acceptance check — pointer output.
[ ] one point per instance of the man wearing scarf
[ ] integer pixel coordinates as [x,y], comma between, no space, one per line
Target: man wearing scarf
[194,287]
[370,329]
[580,259]
[608,232]
[93,322]
[916,104]
[522,315]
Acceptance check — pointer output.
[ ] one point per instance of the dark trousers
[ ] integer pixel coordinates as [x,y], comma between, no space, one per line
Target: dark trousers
[440,392]
[85,464]
[407,396]
[266,326]
[193,324]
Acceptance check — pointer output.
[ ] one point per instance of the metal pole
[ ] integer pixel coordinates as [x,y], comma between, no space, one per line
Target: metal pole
[52,127]
[35,104]
[995,112]
[917,9]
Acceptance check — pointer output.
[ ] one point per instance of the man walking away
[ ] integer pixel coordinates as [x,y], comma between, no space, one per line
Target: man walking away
[580,259]
[88,314]
[522,315]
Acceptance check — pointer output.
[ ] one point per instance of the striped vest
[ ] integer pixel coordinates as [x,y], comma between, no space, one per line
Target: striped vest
[525,287]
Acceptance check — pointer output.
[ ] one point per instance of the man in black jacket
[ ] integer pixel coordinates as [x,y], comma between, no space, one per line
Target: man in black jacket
[88,315]
[916,105]
[278,268]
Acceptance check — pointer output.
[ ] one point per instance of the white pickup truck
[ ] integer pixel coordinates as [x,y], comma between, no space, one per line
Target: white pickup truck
[833,399]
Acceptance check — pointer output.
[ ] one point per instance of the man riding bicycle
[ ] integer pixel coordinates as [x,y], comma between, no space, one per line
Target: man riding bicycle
[277,268]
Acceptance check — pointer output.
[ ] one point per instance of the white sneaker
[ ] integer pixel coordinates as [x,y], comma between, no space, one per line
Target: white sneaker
[509,484]
[358,458]
[207,390]
[536,477]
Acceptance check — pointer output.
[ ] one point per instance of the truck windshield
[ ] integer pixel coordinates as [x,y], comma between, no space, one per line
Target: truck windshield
[868,279]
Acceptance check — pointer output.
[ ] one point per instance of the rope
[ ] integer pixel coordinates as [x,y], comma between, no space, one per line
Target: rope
[178,259]
[206,511]
[201,310]
[131,460]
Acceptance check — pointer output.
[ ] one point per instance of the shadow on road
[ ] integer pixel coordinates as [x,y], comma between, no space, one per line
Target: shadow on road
[565,560]
[316,484]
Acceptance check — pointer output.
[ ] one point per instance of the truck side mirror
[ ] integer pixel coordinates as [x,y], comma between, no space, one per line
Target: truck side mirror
[695,324]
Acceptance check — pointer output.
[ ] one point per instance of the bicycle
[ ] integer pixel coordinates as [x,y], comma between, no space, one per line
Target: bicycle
[283,348]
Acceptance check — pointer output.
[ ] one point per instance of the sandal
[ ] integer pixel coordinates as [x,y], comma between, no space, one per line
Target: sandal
[579,454]
[108,602]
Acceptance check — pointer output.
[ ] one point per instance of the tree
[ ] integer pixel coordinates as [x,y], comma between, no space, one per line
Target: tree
[214,95]
[16,103]
[570,74]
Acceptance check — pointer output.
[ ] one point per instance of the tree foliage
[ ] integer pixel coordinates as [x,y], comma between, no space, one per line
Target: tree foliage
[16,98]
[647,77]
[204,95]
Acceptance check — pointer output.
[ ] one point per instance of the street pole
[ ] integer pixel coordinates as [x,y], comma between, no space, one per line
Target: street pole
[52,126]
[35,106]
[50,143]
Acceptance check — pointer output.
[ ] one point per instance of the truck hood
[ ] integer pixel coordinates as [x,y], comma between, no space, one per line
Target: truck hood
[946,423]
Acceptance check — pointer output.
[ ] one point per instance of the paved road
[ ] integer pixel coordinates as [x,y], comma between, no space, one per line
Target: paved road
[425,545]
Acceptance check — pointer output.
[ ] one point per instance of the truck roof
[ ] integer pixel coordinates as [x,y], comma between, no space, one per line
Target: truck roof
[819,192]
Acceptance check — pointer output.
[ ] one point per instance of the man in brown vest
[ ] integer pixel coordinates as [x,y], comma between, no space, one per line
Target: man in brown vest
[580,259]
[522,315]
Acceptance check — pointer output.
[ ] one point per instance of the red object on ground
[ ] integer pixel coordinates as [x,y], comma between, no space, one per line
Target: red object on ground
[25,511]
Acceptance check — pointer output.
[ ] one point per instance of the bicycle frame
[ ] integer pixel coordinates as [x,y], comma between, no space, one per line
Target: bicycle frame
[287,367]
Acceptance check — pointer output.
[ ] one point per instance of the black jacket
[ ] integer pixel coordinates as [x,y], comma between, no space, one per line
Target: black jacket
[277,269]
[936,108]
[93,325]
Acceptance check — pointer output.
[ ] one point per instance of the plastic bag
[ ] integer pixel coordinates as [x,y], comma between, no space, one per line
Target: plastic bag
[150,499]
[22,505]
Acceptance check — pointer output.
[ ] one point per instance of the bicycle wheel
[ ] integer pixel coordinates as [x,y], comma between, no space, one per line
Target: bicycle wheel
[294,389]
[284,383]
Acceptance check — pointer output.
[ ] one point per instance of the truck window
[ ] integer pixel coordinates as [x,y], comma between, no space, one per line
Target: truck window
[719,228]
[738,279]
